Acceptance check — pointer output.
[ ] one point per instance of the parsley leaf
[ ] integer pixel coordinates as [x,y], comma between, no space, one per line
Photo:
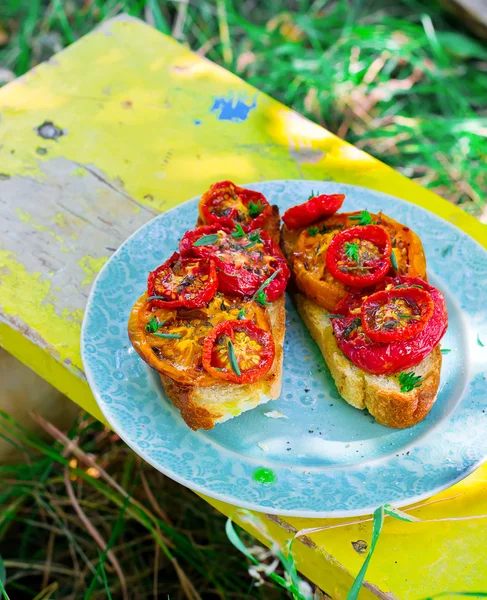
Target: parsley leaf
[312,231]
[312,195]
[255,208]
[479,341]
[241,315]
[364,218]
[445,350]
[152,325]
[351,251]
[254,238]
[409,381]
[239,232]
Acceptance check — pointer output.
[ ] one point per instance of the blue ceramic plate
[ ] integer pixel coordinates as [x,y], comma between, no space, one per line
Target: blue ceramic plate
[325,457]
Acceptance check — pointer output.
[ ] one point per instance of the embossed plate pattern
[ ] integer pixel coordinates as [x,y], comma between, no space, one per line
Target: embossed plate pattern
[328,458]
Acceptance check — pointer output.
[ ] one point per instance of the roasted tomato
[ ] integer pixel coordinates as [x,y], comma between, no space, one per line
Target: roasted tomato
[238,351]
[314,209]
[382,358]
[311,244]
[188,282]
[396,314]
[359,256]
[171,340]
[226,202]
[244,259]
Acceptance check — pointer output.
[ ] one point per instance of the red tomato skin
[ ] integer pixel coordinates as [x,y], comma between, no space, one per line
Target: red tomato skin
[385,358]
[201,300]
[245,195]
[313,210]
[240,282]
[422,298]
[373,233]
[251,375]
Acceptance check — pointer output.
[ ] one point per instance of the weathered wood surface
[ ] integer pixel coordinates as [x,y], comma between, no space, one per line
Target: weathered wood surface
[140,125]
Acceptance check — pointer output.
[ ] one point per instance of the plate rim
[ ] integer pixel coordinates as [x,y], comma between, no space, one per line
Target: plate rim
[228,499]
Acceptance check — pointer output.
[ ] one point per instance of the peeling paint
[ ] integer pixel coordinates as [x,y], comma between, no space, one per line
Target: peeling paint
[91,266]
[232,108]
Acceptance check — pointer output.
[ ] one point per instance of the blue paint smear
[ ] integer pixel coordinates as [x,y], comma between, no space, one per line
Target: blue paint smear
[197,122]
[231,109]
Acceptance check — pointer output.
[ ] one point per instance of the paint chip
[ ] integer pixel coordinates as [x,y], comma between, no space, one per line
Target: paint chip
[49,131]
[360,546]
[276,414]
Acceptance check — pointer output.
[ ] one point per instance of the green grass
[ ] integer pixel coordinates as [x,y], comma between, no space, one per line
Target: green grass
[403,81]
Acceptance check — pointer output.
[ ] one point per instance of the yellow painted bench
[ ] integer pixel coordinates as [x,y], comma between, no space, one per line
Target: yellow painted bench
[127,123]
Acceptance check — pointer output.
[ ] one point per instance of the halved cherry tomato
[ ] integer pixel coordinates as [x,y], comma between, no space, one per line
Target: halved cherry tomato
[188,282]
[314,209]
[238,351]
[359,256]
[171,340]
[244,259]
[396,314]
[226,202]
[382,358]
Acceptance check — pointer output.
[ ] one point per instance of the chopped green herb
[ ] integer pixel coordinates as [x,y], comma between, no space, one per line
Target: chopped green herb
[354,324]
[445,350]
[241,314]
[312,231]
[206,240]
[409,381]
[404,316]
[169,336]
[420,287]
[394,261]
[260,295]
[255,208]
[156,298]
[153,325]
[400,287]
[334,316]
[364,218]
[351,251]
[233,358]
[261,298]
[479,342]
[254,238]
[239,232]
[312,195]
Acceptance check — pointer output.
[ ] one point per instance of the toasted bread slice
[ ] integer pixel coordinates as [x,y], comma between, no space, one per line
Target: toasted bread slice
[380,394]
[204,407]
[407,248]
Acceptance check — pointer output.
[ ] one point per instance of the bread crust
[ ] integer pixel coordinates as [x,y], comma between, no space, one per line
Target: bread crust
[380,394]
[204,407]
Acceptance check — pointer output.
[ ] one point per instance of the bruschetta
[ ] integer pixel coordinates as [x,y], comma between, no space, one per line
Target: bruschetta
[212,320]
[360,287]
